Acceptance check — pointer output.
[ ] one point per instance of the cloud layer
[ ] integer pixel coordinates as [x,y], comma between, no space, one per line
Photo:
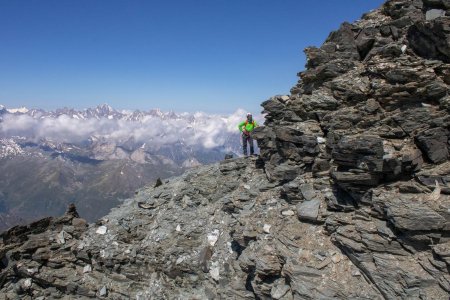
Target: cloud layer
[200,129]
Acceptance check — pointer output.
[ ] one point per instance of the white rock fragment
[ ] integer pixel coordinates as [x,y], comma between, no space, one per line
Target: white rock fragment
[87,269]
[32,271]
[436,194]
[27,283]
[321,140]
[213,237]
[214,271]
[60,238]
[246,186]
[403,48]
[284,98]
[266,228]
[103,291]
[230,247]
[102,230]
[178,228]
[288,212]
[179,260]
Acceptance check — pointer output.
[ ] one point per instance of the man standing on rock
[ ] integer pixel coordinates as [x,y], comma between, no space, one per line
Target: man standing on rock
[246,127]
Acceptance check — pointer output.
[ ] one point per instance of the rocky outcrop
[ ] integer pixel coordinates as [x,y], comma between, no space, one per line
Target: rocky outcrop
[349,199]
[373,107]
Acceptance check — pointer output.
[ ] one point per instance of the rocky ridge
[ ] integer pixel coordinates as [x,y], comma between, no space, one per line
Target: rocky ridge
[349,198]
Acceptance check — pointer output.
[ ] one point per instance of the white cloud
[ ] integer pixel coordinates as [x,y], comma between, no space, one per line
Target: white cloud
[192,129]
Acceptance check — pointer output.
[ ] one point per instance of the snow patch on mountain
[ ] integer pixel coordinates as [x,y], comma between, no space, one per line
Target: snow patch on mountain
[8,147]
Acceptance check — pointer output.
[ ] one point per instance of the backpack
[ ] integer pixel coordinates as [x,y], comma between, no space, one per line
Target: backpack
[253,123]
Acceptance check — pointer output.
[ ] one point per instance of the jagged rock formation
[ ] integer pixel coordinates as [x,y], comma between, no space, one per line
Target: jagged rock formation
[370,113]
[349,198]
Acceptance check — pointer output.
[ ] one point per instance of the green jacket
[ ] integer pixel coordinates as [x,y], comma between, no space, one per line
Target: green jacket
[248,126]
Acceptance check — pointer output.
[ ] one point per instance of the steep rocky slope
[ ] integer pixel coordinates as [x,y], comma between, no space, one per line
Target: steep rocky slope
[349,198]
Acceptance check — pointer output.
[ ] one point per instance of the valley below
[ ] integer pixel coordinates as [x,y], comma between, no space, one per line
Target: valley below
[51,159]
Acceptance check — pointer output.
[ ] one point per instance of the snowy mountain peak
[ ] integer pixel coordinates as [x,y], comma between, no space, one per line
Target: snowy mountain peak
[20,110]
[98,112]
[105,109]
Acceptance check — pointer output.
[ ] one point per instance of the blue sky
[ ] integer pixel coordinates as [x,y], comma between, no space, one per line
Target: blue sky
[183,55]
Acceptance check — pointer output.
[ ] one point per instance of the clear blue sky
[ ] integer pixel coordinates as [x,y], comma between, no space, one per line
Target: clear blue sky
[182,55]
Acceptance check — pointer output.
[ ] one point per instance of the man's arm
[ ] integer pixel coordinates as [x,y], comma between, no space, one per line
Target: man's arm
[240,126]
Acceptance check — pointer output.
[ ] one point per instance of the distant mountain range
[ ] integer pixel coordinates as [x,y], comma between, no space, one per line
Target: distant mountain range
[97,156]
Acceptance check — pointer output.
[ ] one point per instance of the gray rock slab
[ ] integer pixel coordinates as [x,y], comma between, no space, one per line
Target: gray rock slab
[434,14]
[307,191]
[308,210]
[414,216]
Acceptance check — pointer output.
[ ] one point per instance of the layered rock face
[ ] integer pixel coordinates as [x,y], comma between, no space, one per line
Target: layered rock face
[348,200]
[371,114]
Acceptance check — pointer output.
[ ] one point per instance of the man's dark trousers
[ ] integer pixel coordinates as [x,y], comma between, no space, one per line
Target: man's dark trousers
[247,139]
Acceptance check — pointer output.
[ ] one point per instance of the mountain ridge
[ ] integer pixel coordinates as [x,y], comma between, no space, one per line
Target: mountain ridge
[105,111]
[348,199]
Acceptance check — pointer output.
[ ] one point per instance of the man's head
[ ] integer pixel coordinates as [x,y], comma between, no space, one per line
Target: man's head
[249,117]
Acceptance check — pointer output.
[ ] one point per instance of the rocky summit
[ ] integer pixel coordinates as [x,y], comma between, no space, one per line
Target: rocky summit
[349,199]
